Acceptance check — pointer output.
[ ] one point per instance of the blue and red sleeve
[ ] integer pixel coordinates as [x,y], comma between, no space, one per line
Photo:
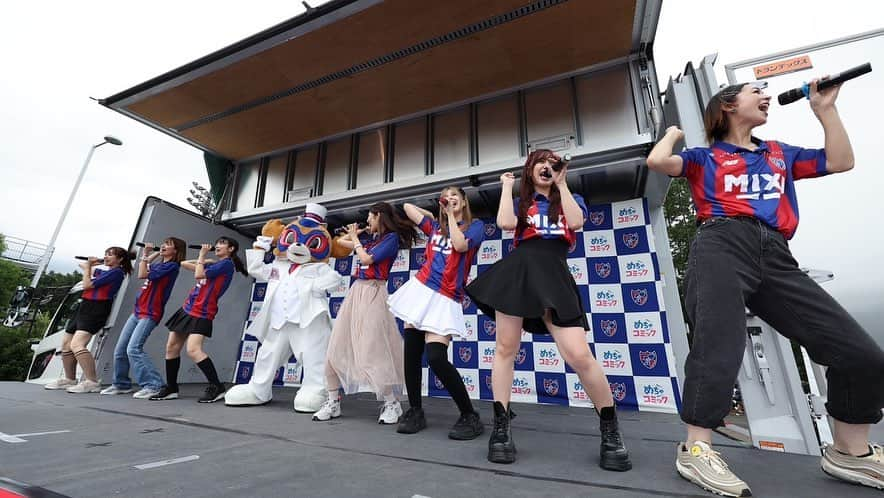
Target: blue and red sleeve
[385,249]
[805,163]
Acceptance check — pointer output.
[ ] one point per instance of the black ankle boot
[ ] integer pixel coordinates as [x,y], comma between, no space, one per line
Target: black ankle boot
[501,448]
[614,455]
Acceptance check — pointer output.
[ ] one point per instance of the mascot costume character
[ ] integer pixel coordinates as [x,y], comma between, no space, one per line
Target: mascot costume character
[294,318]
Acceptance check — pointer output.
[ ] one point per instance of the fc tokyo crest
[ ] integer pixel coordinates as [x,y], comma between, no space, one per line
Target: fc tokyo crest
[630,239]
[597,217]
[398,281]
[648,359]
[488,382]
[618,390]
[439,384]
[421,259]
[639,296]
[603,270]
[336,307]
[466,302]
[490,327]
[466,354]
[520,356]
[490,228]
[551,386]
[609,327]
[343,265]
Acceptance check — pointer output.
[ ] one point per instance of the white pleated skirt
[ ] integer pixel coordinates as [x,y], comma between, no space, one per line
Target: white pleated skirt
[427,310]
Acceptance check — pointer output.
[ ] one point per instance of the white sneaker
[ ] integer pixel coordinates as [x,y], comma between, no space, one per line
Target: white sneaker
[112,389]
[146,393]
[329,410]
[703,466]
[85,386]
[391,412]
[61,383]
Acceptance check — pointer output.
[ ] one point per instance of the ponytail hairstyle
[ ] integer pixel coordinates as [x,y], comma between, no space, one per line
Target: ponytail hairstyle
[237,263]
[715,119]
[389,221]
[180,248]
[125,257]
[526,191]
[466,213]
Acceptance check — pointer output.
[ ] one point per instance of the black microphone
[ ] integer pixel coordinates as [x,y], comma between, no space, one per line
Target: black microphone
[804,91]
[86,258]
[141,244]
[198,247]
[342,230]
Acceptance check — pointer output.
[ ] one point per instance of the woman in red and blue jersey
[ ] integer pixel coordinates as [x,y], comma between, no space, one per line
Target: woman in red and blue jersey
[192,324]
[533,289]
[747,210]
[100,286]
[159,279]
[365,347]
[430,304]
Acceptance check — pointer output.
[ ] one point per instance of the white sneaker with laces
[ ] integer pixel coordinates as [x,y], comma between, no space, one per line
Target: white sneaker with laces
[61,383]
[866,470]
[699,463]
[112,389]
[390,413]
[146,393]
[329,410]
[85,386]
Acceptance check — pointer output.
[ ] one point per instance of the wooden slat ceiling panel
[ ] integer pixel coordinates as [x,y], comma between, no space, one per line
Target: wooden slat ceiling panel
[557,40]
[373,32]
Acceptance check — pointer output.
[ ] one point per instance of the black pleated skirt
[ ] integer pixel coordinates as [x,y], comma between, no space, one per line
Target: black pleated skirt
[183,323]
[530,280]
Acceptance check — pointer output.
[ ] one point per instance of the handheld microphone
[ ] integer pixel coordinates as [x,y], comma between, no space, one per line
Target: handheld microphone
[561,163]
[198,247]
[443,202]
[141,244]
[342,230]
[804,91]
[86,258]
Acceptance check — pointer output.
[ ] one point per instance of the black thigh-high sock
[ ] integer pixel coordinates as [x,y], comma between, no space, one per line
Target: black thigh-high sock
[437,358]
[208,369]
[414,350]
[172,365]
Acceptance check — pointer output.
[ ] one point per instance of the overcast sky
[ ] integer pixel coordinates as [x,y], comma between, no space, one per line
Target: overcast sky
[59,54]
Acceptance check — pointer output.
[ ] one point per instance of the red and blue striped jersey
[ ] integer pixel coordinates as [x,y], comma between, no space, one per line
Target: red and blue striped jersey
[105,284]
[155,292]
[727,180]
[383,252]
[446,270]
[203,299]
[539,224]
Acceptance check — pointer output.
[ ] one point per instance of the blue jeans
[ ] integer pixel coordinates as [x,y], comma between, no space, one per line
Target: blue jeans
[130,349]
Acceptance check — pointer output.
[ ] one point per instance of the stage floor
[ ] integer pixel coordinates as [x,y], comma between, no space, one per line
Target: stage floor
[103,446]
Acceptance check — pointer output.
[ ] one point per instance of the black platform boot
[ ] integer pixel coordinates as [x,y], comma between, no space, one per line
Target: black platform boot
[501,448]
[614,455]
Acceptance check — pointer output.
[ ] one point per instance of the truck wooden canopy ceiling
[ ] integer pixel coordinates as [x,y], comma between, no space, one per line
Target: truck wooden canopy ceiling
[349,64]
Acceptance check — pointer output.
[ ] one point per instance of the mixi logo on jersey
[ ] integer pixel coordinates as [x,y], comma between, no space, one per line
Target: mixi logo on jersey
[599,243]
[401,261]
[249,351]
[489,252]
[440,243]
[756,186]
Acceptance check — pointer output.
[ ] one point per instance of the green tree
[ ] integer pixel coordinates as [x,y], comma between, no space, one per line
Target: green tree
[11,276]
[678,209]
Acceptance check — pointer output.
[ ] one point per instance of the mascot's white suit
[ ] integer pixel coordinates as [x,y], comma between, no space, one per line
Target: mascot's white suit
[294,318]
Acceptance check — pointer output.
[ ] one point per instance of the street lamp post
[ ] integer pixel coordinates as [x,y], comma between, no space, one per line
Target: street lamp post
[50,248]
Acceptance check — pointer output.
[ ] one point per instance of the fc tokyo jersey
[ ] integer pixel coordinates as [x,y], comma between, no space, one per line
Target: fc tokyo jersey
[105,284]
[727,180]
[446,270]
[155,292]
[539,224]
[383,252]
[203,299]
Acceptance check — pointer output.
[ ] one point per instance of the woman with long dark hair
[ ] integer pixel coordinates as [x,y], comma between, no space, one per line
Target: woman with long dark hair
[365,348]
[533,289]
[100,286]
[430,304]
[159,279]
[747,210]
[192,324]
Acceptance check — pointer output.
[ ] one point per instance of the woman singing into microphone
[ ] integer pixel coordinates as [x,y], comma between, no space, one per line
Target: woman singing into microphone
[192,324]
[533,289]
[743,189]
[365,348]
[159,279]
[430,305]
[100,286]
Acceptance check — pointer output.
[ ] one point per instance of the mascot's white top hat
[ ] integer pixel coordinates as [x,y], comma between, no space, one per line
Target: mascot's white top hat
[315,212]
